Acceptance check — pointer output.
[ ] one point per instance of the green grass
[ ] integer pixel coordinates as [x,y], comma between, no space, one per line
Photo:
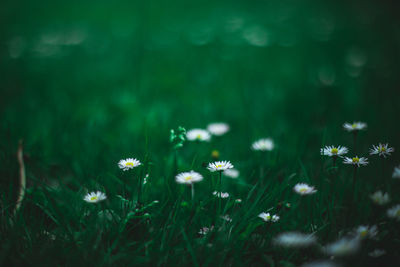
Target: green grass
[85,85]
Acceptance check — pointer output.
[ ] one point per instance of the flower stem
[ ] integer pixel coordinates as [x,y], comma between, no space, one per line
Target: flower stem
[354,181]
[22,176]
[139,190]
[355,141]
[192,189]
[386,184]
[220,193]
[353,195]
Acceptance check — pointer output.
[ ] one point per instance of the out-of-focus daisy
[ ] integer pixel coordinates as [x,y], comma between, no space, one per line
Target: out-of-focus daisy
[275,218]
[188,177]
[95,197]
[394,212]
[219,166]
[266,144]
[320,264]
[226,218]
[206,230]
[334,151]
[304,189]
[377,253]
[50,235]
[381,150]
[396,172]
[355,126]
[268,218]
[129,163]
[198,135]
[380,198]
[232,173]
[145,179]
[343,247]
[356,161]
[221,194]
[218,128]
[294,239]
[365,231]
[215,154]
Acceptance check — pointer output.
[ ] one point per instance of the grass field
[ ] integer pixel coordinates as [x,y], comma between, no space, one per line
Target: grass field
[85,85]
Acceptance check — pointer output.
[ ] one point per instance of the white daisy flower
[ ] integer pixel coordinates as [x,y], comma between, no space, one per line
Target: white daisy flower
[381,150]
[95,197]
[380,198]
[294,239]
[334,151]
[377,253]
[221,194]
[198,135]
[304,189]
[394,212]
[232,173]
[356,161]
[396,172]
[266,144]
[268,218]
[206,230]
[226,218]
[129,163]
[218,128]
[219,166]
[343,247]
[365,231]
[188,177]
[355,126]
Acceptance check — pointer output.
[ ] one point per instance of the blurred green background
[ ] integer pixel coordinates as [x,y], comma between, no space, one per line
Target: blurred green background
[87,83]
[126,68]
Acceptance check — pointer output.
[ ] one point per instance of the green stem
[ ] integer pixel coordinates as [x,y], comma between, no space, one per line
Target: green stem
[192,189]
[220,193]
[355,141]
[354,181]
[382,174]
[353,196]
[139,190]
[334,176]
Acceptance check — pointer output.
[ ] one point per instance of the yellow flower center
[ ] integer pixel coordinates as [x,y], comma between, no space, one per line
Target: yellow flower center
[218,166]
[198,136]
[303,189]
[129,164]
[356,160]
[215,154]
[398,213]
[354,125]
[268,217]
[188,178]
[363,233]
[382,149]
[93,198]
[334,150]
